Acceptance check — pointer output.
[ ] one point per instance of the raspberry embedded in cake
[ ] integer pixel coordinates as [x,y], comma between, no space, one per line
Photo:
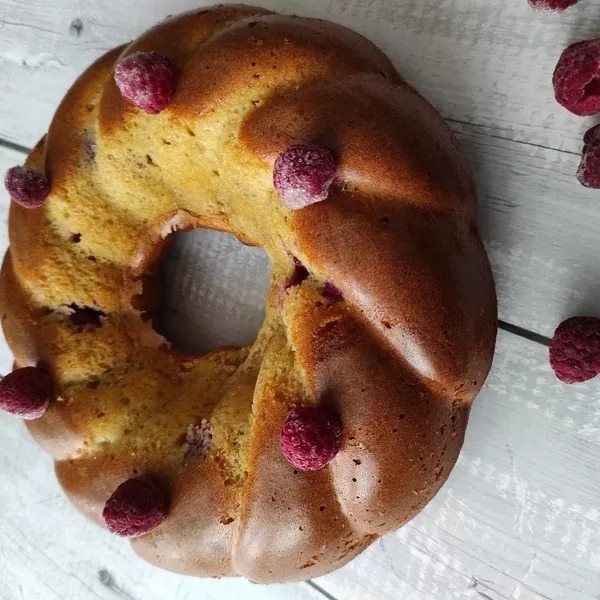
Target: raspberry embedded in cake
[137,506]
[303,174]
[299,274]
[26,392]
[147,80]
[27,186]
[552,5]
[331,292]
[311,436]
[85,317]
[588,172]
[576,78]
[575,349]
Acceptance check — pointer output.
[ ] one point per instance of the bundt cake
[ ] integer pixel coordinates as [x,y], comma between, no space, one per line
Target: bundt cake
[284,460]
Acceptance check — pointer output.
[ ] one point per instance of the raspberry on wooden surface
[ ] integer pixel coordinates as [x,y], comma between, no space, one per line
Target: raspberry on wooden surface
[303,174]
[576,78]
[136,507]
[552,5]
[311,436]
[147,80]
[26,392]
[575,349]
[27,186]
[588,172]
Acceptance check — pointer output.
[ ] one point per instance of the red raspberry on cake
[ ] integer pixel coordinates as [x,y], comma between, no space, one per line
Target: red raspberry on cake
[299,274]
[136,507]
[575,349]
[552,5]
[311,437]
[576,78]
[27,186]
[26,392]
[146,79]
[332,293]
[303,174]
[588,172]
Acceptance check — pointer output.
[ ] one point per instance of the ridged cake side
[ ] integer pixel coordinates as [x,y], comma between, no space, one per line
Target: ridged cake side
[401,357]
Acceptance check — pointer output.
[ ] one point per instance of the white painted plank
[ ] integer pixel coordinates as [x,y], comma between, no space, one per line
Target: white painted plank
[519,517]
[8,158]
[540,228]
[484,62]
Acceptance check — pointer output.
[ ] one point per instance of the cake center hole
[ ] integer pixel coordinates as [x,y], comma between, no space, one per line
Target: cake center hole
[215,291]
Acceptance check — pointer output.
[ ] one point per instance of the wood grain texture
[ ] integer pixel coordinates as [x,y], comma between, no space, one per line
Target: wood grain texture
[519,517]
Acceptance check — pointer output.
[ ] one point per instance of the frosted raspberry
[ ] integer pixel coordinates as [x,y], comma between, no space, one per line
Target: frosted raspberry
[199,440]
[26,392]
[577,78]
[299,274]
[136,507]
[27,186]
[575,349]
[589,168]
[552,5]
[302,175]
[311,436]
[331,293]
[146,79]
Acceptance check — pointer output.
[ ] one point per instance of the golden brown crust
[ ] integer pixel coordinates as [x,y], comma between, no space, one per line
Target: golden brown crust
[200,535]
[401,358]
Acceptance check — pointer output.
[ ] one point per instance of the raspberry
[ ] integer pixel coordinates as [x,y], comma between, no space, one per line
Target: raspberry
[198,439]
[136,507]
[588,172]
[311,437]
[577,78]
[146,79]
[575,349]
[552,5]
[27,186]
[302,175]
[84,317]
[26,392]
[331,293]
[299,274]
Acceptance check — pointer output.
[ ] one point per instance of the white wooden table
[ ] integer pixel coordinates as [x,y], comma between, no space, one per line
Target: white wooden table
[519,517]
